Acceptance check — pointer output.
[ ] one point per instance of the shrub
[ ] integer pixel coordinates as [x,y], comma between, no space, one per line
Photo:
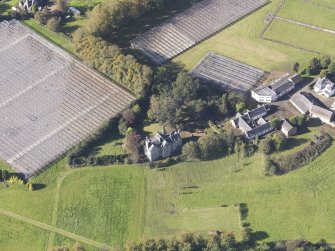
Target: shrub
[266,145]
[269,167]
[191,150]
[325,61]
[313,67]
[53,24]
[42,16]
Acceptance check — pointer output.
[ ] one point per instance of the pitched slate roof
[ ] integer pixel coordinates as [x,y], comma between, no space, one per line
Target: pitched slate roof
[243,125]
[301,101]
[296,79]
[264,91]
[260,129]
[282,86]
[286,126]
[256,112]
[322,112]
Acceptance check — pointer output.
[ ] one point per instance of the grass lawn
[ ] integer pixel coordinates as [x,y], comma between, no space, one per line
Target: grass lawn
[301,36]
[151,129]
[103,204]
[305,12]
[241,42]
[112,146]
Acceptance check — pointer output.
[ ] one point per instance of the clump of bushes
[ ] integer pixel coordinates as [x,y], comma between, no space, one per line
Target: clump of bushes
[99,160]
[319,145]
[213,145]
[272,143]
[8,178]
[165,162]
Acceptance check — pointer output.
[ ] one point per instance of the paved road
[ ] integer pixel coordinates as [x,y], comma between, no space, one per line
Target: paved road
[305,25]
[54,229]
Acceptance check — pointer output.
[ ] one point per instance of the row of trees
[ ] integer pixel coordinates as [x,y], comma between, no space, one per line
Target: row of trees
[110,60]
[224,241]
[112,15]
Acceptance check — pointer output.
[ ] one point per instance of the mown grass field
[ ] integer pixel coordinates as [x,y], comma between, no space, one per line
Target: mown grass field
[304,37]
[103,204]
[308,13]
[15,235]
[297,205]
[327,3]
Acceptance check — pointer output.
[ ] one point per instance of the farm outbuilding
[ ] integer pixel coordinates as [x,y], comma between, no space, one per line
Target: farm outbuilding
[50,101]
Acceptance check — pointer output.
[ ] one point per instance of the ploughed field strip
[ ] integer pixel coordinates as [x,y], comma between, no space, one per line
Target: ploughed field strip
[227,73]
[192,26]
[49,101]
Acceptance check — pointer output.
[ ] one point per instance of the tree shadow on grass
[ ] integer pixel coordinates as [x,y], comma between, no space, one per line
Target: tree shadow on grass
[69,29]
[39,186]
[259,236]
[293,143]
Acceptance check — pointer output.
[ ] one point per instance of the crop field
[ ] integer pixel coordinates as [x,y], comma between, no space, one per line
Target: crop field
[54,109]
[226,73]
[191,26]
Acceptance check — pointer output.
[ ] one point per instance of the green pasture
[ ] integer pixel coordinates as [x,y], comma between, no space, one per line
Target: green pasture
[103,204]
[326,3]
[15,235]
[303,37]
[297,205]
[308,13]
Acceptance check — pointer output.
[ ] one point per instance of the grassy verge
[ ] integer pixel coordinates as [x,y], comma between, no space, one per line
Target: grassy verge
[58,38]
